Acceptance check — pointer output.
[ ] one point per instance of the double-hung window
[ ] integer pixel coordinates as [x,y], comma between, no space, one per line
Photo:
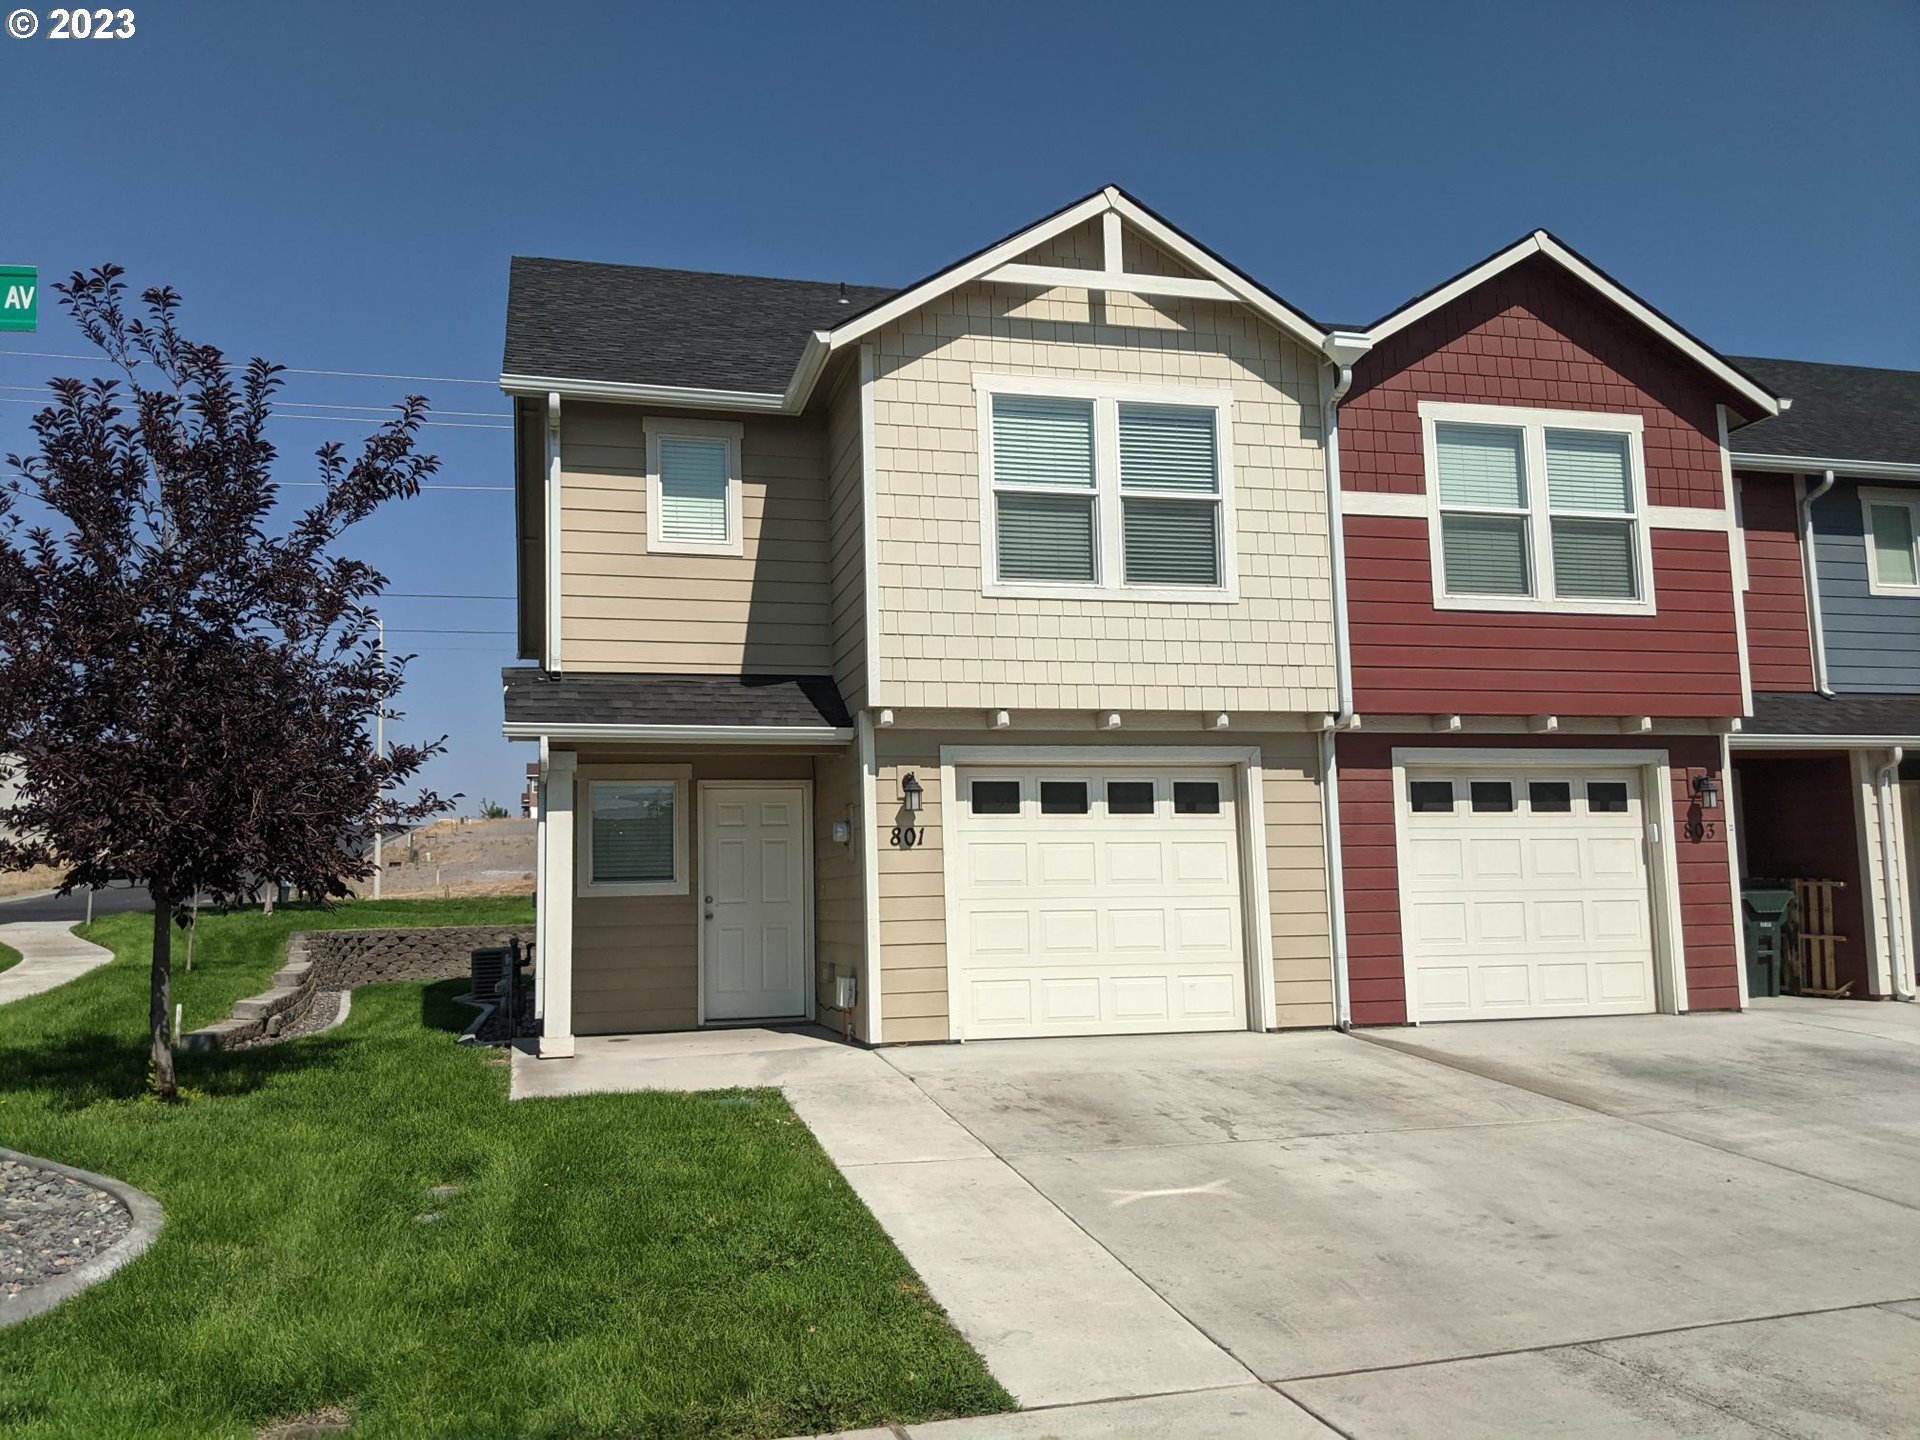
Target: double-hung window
[693,487]
[1537,510]
[1094,490]
[1891,522]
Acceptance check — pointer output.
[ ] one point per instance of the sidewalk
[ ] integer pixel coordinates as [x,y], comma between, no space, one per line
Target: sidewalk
[50,954]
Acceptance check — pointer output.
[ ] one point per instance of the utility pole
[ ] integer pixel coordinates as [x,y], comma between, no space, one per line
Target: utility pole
[379,740]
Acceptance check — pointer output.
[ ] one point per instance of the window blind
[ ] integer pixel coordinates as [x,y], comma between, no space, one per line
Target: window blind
[1893,562]
[1168,447]
[1044,537]
[693,489]
[1038,440]
[633,833]
[1480,465]
[1587,470]
[1172,542]
[1593,559]
[1484,554]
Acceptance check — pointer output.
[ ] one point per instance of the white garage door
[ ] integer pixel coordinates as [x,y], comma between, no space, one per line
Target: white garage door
[1526,894]
[1095,901]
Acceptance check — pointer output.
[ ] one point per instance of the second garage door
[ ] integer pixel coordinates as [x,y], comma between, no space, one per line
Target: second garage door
[1095,901]
[1526,894]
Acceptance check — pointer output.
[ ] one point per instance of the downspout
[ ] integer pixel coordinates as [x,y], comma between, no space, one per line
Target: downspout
[1889,871]
[1810,566]
[1343,351]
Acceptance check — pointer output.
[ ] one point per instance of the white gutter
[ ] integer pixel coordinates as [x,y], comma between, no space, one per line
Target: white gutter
[1810,465]
[685,734]
[1344,351]
[1890,872]
[1743,741]
[620,393]
[1810,571]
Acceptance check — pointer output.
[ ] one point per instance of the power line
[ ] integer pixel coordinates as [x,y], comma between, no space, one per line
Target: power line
[319,405]
[440,595]
[327,419]
[433,630]
[287,370]
[428,487]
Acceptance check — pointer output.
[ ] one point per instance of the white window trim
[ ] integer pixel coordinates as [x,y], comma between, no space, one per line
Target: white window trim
[1109,549]
[592,778]
[656,427]
[1534,424]
[1911,502]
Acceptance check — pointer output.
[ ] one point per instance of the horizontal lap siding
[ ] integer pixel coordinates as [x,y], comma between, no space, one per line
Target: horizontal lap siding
[1376,962]
[767,611]
[1410,658]
[1872,641]
[846,549]
[1779,646]
[840,927]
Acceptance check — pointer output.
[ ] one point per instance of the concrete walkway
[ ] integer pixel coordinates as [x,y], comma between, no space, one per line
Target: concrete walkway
[50,954]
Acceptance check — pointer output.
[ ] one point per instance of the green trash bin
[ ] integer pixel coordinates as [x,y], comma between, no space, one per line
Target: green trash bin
[1767,907]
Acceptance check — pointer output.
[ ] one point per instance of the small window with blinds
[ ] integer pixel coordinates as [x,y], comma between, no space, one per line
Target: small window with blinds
[693,487]
[1537,510]
[1892,529]
[635,838]
[1108,492]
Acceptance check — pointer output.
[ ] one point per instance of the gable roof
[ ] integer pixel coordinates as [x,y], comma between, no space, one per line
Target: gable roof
[636,325]
[1762,400]
[756,707]
[1840,413]
[749,343]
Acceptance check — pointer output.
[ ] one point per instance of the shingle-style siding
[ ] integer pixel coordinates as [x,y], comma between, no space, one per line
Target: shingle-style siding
[839,917]
[622,608]
[1779,645]
[636,957]
[1375,960]
[1412,659]
[913,938]
[846,556]
[944,643]
[1532,336]
[1872,641]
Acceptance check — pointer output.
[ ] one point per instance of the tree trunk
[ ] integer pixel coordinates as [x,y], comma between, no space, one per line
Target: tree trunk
[159,1006]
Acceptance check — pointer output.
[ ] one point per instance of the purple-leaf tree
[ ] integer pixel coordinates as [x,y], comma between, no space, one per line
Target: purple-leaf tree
[188,679]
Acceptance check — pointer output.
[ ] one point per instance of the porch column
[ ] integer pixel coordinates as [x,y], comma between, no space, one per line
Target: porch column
[556,907]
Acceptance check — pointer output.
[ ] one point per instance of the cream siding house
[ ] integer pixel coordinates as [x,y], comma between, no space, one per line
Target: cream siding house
[935,664]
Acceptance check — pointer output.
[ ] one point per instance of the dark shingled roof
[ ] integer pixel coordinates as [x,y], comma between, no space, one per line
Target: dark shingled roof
[1839,412]
[804,702]
[1891,716]
[633,325]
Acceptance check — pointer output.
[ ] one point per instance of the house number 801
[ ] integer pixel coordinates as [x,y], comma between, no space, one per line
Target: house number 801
[905,837]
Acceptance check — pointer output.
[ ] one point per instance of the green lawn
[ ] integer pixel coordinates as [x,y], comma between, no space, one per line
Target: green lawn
[609,1265]
[8,957]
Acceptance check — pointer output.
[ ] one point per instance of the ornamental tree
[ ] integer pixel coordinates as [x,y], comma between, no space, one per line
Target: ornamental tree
[189,673]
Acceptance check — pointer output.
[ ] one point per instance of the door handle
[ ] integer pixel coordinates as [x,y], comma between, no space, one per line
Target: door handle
[709,914]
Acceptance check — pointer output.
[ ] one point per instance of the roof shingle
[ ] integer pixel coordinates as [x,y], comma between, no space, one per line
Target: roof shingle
[1839,412]
[804,702]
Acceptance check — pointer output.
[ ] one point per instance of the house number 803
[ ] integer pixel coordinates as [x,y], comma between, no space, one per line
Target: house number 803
[905,837]
[90,24]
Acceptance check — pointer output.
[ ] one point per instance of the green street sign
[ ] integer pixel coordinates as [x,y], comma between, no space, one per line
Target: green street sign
[19,297]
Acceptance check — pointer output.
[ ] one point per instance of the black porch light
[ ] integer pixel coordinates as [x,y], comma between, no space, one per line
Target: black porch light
[910,794]
[1706,790]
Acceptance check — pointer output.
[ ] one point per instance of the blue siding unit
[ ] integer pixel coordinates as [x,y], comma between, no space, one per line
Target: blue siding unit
[1873,641]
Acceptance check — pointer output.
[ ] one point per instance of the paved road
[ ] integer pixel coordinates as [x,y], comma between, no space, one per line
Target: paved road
[69,908]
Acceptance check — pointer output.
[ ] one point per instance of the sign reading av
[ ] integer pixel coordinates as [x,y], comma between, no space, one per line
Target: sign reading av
[19,297]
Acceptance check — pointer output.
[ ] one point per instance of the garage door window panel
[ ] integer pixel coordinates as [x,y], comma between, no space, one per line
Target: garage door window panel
[1130,797]
[1430,797]
[1537,510]
[1492,797]
[1063,797]
[1550,797]
[994,797]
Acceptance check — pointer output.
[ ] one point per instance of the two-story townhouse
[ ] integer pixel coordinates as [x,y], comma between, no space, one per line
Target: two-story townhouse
[1826,778]
[950,662]
[1542,578]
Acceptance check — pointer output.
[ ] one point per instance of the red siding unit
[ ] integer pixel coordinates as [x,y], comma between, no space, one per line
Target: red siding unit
[1374,959]
[1534,337]
[1779,644]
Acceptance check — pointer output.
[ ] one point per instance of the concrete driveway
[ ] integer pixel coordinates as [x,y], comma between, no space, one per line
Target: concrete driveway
[1601,1228]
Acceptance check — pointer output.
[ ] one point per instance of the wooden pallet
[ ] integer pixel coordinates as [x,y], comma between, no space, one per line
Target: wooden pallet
[1818,963]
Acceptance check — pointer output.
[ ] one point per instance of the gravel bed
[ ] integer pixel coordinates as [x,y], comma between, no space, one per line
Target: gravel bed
[51,1225]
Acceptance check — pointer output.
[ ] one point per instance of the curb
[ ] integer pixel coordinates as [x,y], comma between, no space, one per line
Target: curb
[147,1224]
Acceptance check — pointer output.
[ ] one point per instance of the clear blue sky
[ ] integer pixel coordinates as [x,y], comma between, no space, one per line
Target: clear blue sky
[337,186]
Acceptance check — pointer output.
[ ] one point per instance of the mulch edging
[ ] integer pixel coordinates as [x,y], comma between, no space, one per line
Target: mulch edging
[127,1226]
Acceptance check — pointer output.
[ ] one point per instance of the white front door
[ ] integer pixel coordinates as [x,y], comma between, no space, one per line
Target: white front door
[753,888]
[1095,900]
[1525,892]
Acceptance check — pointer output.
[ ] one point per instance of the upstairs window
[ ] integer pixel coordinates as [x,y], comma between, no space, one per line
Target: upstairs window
[1892,529]
[693,487]
[1537,510]
[1104,491]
